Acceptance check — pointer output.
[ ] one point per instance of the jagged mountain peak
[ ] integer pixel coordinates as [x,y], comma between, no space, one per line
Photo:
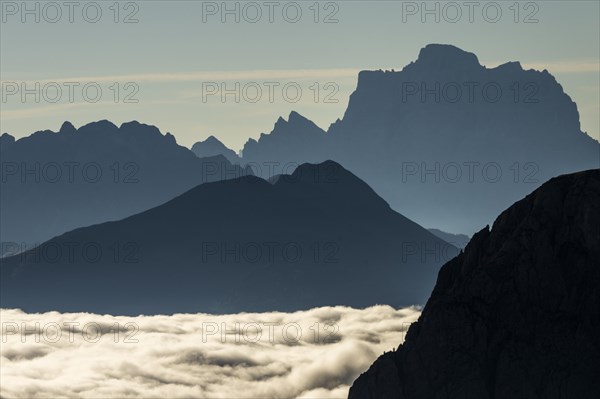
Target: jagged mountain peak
[67,128]
[510,67]
[213,146]
[295,122]
[295,117]
[172,139]
[212,139]
[6,139]
[150,168]
[101,127]
[446,55]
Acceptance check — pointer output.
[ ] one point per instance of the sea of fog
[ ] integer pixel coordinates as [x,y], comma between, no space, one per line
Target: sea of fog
[307,354]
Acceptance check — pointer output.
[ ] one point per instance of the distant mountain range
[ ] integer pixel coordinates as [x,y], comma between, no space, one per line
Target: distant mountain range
[517,315]
[53,182]
[319,236]
[212,147]
[446,141]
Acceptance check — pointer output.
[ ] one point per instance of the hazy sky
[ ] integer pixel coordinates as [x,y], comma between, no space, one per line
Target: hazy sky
[179,52]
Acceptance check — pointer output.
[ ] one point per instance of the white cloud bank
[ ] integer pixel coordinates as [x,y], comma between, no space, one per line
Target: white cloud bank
[309,354]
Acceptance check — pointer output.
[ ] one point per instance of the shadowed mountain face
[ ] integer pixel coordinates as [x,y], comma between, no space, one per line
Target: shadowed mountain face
[320,236]
[517,315]
[446,141]
[54,182]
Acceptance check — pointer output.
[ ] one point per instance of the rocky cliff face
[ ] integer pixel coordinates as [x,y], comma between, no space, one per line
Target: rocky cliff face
[517,315]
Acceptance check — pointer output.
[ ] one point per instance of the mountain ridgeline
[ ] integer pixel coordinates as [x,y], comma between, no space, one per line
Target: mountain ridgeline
[517,315]
[53,182]
[212,147]
[320,236]
[446,141]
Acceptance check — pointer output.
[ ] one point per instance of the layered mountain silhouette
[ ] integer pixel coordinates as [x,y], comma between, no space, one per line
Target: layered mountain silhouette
[446,141]
[212,147]
[294,141]
[53,182]
[319,236]
[517,315]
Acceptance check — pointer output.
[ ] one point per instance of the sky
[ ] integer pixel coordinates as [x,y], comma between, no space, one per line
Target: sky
[192,69]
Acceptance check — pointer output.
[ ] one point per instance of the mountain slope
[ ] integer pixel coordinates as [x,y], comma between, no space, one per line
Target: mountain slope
[54,182]
[317,237]
[458,240]
[517,315]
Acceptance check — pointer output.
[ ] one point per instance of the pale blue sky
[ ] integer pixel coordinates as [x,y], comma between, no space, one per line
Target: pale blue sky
[171,51]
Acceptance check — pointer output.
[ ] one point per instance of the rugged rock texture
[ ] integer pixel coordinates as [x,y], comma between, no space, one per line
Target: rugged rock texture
[517,315]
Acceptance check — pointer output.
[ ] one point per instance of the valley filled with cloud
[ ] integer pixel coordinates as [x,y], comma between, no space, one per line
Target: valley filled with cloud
[316,353]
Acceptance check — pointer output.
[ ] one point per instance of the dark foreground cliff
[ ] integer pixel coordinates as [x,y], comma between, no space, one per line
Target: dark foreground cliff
[517,315]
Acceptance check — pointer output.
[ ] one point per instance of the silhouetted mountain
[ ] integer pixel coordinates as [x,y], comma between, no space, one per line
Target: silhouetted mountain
[446,141]
[294,141]
[517,315]
[320,236]
[6,140]
[212,147]
[458,240]
[54,182]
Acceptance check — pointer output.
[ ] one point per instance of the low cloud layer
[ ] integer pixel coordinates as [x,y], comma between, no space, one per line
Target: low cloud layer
[308,354]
